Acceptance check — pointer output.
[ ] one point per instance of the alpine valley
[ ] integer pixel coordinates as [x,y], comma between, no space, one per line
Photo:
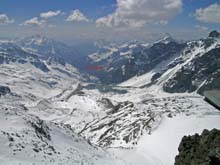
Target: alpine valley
[116,104]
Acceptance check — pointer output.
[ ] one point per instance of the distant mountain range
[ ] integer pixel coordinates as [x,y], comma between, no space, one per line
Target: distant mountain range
[113,64]
[123,62]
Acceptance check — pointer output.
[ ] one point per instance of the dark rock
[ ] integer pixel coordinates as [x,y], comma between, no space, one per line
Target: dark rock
[22,61]
[56,60]
[11,139]
[1,60]
[200,149]
[41,129]
[107,102]
[214,34]
[213,83]
[40,65]
[36,150]
[170,115]
[4,90]
[155,76]
[121,105]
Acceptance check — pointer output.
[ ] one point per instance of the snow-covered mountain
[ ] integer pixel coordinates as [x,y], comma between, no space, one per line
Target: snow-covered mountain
[177,67]
[197,67]
[24,71]
[56,51]
[10,52]
[123,62]
[194,68]
[47,48]
[50,113]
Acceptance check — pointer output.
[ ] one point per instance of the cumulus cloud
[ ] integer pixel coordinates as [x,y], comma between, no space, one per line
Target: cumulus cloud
[34,22]
[77,16]
[50,14]
[4,19]
[210,14]
[137,13]
[42,20]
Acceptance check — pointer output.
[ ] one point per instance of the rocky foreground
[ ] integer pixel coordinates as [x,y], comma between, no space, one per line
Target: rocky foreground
[200,149]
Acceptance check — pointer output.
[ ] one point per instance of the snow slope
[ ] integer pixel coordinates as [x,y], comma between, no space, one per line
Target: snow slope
[161,146]
[179,115]
[26,78]
[26,139]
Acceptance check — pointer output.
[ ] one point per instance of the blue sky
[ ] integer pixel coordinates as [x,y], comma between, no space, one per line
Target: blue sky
[74,20]
[26,8]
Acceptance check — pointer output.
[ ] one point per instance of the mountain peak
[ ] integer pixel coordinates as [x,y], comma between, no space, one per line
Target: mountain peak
[38,39]
[214,34]
[36,36]
[166,39]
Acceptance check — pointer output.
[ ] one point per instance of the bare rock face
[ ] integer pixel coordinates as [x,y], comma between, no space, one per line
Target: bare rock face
[199,67]
[193,75]
[200,149]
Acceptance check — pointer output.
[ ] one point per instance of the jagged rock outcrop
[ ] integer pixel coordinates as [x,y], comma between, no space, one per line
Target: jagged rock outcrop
[123,125]
[201,149]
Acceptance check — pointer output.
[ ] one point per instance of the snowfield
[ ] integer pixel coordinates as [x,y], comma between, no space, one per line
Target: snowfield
[161,147]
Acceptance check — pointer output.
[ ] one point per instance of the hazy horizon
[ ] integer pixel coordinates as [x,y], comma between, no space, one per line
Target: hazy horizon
[113,20]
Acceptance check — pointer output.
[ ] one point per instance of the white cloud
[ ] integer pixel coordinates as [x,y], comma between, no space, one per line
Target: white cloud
[77,16]
[42,21]
[210,14]
[50,14]
[201,28]
[137,13]
[34,22]
[4,19]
